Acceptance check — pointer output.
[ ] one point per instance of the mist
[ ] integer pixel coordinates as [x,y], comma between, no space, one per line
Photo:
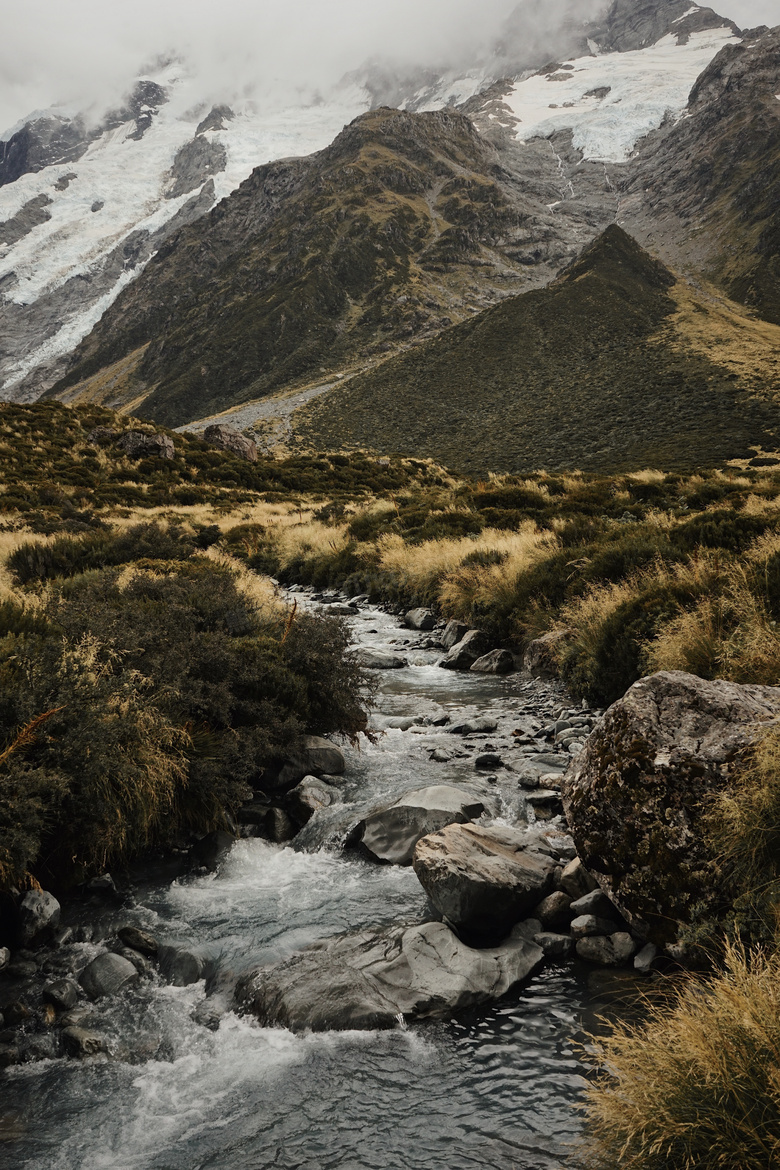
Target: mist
[85,53]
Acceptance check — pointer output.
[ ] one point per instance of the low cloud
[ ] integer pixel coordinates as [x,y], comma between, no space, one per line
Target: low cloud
[85,52]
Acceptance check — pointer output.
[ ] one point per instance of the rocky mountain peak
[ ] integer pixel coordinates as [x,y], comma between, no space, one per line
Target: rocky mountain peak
[634,24]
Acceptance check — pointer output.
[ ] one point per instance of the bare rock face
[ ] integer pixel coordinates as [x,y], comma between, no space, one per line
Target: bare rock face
[635,796]
[138,445]
[390,834]
[371,978]
[231,440]
[484,880]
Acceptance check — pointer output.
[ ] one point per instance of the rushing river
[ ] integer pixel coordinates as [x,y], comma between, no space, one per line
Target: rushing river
[496,1090]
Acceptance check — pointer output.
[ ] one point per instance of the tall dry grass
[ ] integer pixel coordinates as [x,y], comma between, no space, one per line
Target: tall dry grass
[696,1086]
[465,573]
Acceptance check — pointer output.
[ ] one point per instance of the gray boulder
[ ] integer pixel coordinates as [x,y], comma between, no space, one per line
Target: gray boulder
[467,651]
[558,947]
[309,755]
[453,632]
[420,619]
[390,835]
[576,881]
[637,795]
[483,880]
[596,902]
[63,993]
[496,662]
[370,979]
[108,974]
[380,659]
[541,656]
[554,910]
[606,950]
[39,915]
[228,439]
[309,797]
[588,924]
[139,445]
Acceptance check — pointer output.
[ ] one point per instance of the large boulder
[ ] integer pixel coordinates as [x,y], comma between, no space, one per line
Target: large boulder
[139,445]
[370,979]
[484,880]
[309,755]
[496,662]
[467,651]
[420,619]
[390,834]
[39,915]
[636,796]
[308,797]
[228,439]
[452,633]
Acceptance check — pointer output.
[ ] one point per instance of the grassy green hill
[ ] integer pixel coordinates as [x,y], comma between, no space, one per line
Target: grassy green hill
[615,365]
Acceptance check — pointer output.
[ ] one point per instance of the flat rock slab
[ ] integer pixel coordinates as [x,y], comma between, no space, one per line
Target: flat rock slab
[390,834]
[371,979]
[484,880]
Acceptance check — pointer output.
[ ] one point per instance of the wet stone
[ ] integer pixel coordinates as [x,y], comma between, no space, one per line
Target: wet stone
[62,993]
[139,940]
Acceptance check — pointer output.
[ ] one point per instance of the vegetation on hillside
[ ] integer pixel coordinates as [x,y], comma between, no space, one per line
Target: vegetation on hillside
[615,366]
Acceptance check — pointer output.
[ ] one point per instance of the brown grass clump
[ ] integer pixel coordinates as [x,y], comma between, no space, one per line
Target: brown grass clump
[696,1086]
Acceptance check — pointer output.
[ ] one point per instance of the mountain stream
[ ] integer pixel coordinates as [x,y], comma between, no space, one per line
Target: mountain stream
[496,1088]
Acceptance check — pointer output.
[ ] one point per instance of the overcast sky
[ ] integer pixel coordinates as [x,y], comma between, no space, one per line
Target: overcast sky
[75,50]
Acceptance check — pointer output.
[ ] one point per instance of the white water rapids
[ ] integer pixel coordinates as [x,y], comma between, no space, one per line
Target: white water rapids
[494,1090]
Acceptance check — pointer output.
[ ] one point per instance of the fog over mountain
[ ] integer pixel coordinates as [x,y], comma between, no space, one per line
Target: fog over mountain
[85,52]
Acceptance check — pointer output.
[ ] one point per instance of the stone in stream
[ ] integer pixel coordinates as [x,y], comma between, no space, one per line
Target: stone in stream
[139,940]
[483,880]
[453,632]
[479,724]
[309,797]
[390,834]
[5,957]
[340,609]
[596,902]
[309,755]
[606,950]
[554,910]
[108,974]
[39,915]
[637,796]
[496,662]
[371,979]
[184,963]
[420,619]
[558,947]
[62,993]
[81,1042]
[467,651]
[576,881]
[210,851]
[379,659]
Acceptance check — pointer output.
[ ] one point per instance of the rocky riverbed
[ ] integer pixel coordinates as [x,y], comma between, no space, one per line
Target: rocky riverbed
[123,1036]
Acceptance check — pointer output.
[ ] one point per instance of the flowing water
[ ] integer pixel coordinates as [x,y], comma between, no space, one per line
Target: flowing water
[497,1088]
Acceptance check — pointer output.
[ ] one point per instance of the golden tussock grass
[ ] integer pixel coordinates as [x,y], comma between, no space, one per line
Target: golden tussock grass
[696,1086]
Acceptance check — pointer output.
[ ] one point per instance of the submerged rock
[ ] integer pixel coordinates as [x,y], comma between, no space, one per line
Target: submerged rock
[390,834]
[483,880]
[636,796]
[308,797]
[370,979]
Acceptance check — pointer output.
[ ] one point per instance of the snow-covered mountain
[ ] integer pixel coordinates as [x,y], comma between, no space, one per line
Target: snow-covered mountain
[85,203]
